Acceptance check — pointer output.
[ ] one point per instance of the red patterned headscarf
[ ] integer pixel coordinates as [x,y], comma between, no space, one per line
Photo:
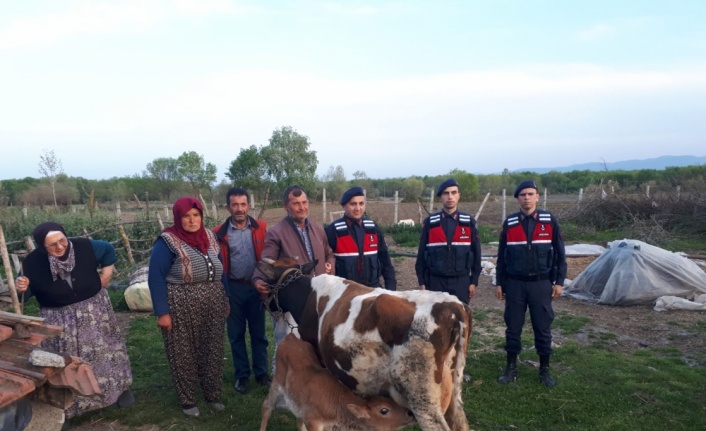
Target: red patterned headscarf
[198,239]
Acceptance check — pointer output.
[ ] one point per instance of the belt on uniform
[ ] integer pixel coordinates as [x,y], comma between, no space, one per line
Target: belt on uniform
[539,277]
[240,280]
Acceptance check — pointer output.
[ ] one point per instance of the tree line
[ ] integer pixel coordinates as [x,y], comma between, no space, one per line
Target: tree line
[288,159]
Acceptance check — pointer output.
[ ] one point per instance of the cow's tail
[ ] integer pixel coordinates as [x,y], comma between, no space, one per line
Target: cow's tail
[455,416]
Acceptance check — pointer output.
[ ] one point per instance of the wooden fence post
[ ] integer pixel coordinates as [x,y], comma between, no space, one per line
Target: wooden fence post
[503,212]
[117,209]
[397,204]
[580,195]
[24,212]
[544,202]
[323,201]
[159,220]
[29,242]
[482,205]
[147,205]
[431,201]
[16,263]
[8,272]
[126,243]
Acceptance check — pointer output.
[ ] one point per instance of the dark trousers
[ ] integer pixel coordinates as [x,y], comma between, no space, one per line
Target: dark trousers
[457,286]
[246,310]
[537,296]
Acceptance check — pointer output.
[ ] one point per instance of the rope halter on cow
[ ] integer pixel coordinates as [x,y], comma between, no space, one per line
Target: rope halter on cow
[288,276]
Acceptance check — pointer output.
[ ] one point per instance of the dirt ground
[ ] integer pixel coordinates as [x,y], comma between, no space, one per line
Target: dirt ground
[635,327]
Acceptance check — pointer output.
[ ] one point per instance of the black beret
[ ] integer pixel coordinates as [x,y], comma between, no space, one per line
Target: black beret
[448,183]
[351,193]
[526,184]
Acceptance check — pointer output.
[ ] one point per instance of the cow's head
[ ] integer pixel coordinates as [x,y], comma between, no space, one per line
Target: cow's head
[273,269]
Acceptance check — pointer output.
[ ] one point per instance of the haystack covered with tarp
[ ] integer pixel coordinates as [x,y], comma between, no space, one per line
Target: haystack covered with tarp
[632,272]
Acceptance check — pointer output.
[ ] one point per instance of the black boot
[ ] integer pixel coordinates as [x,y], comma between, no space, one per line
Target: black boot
[545,376]
[511,373]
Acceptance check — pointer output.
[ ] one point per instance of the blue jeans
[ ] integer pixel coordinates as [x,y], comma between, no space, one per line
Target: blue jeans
[246,310]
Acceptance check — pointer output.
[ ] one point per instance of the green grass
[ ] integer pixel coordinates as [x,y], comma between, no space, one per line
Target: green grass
[404,236]
[598,389]
[570,324]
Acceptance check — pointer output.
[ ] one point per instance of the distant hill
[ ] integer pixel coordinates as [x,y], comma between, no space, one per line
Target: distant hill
[657,163]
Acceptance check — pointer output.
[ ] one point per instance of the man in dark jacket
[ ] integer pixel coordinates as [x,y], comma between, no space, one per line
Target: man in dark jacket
[448,259]
[242,239]
[530,274]
[359,245]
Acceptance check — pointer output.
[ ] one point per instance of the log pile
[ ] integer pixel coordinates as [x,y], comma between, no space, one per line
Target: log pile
[19,337]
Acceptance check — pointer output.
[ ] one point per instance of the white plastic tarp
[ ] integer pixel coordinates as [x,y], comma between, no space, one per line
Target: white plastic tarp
[665,303]
[584,249]
[633,272]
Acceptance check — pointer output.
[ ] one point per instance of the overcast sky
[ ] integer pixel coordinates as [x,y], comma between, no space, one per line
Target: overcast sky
[391,88]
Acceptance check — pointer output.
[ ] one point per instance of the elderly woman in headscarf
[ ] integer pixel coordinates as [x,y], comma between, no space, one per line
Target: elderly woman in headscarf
[189,300]
[62,275]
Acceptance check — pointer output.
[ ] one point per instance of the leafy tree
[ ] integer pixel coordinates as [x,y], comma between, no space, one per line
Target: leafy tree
[492,183]
[50,167]
[62,193]
[165,172]
[467,184]
[335,182]
[198,173]
[288,157]
[12,189]
[248,169]
[412,189]
[360,175]
[360,178]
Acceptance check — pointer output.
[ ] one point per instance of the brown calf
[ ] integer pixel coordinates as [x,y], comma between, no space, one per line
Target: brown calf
[319,400]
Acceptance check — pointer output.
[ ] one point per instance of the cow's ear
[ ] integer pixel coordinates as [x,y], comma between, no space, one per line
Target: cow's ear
[308,267]
[359,411]
[267,269]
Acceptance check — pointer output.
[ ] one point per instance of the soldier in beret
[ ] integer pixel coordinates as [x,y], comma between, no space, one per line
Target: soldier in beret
[530,274]
[448,259]
[359,245]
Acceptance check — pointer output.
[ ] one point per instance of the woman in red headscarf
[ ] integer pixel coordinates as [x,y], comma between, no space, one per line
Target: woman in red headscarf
[188,296]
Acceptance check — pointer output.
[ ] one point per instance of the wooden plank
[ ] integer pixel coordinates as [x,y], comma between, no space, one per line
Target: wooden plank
[24,372]
[8,272]
[15,317]
[5,332]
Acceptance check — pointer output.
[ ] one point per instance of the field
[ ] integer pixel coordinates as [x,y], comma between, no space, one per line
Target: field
[618,368]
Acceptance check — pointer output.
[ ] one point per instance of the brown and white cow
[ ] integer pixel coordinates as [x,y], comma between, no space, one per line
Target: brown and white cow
[410,345]
[322,402]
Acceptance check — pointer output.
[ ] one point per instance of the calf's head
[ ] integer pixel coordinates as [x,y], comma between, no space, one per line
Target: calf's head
[382,414]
